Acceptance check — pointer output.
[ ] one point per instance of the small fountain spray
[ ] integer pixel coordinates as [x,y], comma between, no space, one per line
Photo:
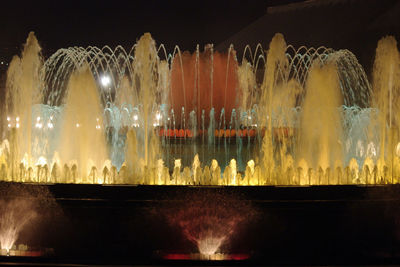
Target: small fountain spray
[209,219]
[15,214]
[24,212]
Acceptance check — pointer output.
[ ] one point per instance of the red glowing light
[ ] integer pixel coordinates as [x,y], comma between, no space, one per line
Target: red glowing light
[181,133]
[176,256]
[238,257]
[196,256]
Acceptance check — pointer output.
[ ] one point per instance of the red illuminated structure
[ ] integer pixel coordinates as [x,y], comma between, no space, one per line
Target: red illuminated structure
[209,82]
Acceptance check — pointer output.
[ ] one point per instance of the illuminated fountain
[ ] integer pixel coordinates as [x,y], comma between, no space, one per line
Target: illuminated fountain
[15,215]
[23,211]
[209,220]
[306,116]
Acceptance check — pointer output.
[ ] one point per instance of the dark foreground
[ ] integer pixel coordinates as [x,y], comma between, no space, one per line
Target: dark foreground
[324,225]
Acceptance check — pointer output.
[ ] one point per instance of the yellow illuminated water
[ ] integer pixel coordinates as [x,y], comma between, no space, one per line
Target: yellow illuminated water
[102,116]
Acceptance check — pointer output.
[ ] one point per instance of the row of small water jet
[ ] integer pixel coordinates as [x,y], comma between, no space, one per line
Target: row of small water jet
[199,174]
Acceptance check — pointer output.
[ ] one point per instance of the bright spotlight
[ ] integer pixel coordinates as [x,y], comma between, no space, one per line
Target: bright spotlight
[17,118]
[17,125]
[135,117]
[105,80]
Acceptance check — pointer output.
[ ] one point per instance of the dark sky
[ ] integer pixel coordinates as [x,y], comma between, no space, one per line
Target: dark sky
[60,23]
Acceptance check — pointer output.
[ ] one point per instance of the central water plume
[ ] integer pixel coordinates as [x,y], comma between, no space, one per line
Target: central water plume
[81,136]
[320,131]
[145,75]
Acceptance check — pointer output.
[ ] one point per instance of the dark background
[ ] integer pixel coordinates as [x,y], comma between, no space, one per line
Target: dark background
[60,24]
[353,24]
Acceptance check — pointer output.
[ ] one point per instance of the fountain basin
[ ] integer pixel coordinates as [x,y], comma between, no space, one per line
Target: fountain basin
[202,257]
[27,252]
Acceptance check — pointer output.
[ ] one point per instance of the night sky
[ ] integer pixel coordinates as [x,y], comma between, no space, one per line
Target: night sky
[60,24]
[356,25]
